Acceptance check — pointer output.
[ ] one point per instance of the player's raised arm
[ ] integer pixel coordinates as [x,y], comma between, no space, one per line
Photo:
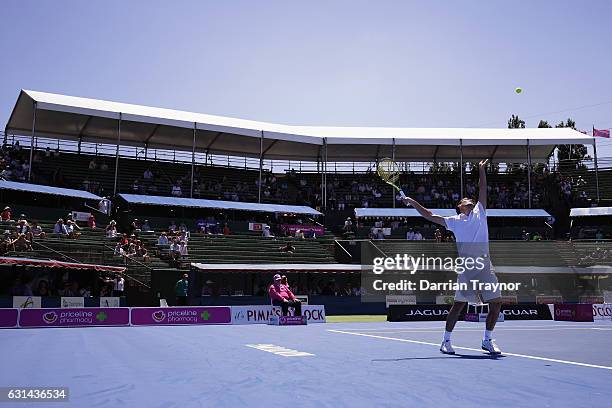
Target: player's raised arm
[482,183]
[425,213]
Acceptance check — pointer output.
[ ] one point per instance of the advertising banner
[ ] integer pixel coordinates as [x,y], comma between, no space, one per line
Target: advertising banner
[261,314]
[22,302]
[8,317]
[154,316]
[400,300]
[91,316]
[288,321]
[577,312]
[602,312]
[110,302]
[290,229]
[256,226]
[73,302]
[407,313]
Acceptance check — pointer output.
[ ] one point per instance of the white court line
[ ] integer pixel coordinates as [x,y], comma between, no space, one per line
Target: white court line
[497,329]
[384,329]
[553,360]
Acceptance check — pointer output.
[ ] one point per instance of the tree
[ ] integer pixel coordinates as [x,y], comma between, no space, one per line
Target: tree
[543,124]
[570,157]
[516,123]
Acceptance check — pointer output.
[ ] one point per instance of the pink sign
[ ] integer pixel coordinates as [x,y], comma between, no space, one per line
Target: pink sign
[574,312]
[77,317]
[8,317]
[181,315]
[306,229]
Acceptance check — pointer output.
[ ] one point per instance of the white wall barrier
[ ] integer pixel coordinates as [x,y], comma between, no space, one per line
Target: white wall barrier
[260,314]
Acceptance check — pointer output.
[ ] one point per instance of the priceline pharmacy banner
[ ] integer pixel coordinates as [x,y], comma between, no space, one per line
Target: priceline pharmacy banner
[148,316]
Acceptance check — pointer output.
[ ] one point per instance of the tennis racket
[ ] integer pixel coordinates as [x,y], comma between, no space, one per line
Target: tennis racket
[389,172]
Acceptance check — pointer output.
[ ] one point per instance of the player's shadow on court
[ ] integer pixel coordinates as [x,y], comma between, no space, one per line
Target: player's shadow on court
[462,356]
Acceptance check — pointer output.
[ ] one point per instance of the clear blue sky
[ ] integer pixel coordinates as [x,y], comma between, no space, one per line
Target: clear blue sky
[346,63]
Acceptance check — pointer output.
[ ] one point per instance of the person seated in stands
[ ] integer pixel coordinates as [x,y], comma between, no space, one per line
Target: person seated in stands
[148,174]
[22,243]
[162,240]
[91,221]
[418,236]
[142,252]
[438,235]
[146,227]
[380,235]
[43,288]
[226,230]
[176,190]
[183,227]
[6,214]
[111,229]
[184,236]
[282,296]
[7,244]
[201,226]
[266,232]
[104,206]
[72,229]
[118,249]
[24,228]
[93,165]
[37,231]
[131,250]
[288,248]
[135,226]
[60,228]
[450,237]
[299,234]
[410,235]
[175,251]
[172,227]
[182,248]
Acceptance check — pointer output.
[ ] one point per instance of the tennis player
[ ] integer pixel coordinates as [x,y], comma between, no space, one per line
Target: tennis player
[472,236]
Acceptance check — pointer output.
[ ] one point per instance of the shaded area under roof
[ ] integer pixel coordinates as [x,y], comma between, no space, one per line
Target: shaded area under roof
[217,204]
[38,188]
[448,212]
[52,263]
[92,120]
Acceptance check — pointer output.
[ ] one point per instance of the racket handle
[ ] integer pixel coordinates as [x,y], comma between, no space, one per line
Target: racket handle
[402,194]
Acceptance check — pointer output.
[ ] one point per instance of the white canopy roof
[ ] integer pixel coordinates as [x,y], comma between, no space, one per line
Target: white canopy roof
[93,120]
[219,204]
[277,267]
[590,212]
[37,188]
[447,212]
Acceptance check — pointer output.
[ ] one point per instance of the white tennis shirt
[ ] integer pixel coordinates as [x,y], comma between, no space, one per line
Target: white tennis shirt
[470,228]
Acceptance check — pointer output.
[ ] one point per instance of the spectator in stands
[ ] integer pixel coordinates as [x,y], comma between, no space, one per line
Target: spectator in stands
[92,164]
[226,229]
[20,288]
[24,228]
[266,232]
[172,227]
[72,229]
[6,214]
[410,235]
[111,229]
[181,289]
[380,235]
[104,205]
[146,227]
[162,240]
[282,296]
[22,243]
[37,231]
[299,234]
[60,228]
[43,288]
[176,190]
[288,248]
[119,285]
[418,236]
[438,235]
[118,249]
[148,174]
[182,248]
[91,221]
[142,252]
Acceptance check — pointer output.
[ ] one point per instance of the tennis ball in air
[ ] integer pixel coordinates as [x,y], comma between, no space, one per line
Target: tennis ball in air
[518,90]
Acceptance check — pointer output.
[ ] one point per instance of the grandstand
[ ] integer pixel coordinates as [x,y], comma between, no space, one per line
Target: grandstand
[168,166]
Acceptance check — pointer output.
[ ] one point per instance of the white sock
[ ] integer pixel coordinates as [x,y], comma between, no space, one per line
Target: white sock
[488,334]
[447,335]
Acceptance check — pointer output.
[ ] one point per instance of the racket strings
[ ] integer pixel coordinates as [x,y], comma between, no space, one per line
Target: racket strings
[388,170]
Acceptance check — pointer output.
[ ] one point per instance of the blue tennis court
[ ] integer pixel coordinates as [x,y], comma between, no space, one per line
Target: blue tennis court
[545,363]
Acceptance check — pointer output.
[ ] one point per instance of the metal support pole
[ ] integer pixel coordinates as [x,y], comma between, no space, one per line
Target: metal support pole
[260,165]
[596,170]
[393,158]
[79,145]
[117,154]
[193,158]
[529,172]
[32,141]
[325,175]
[461,165]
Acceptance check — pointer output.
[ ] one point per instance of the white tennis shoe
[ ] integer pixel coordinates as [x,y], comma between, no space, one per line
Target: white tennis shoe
[490,346]
[446,347]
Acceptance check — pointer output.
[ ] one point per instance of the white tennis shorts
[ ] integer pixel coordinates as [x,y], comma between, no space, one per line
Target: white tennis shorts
[470,294]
